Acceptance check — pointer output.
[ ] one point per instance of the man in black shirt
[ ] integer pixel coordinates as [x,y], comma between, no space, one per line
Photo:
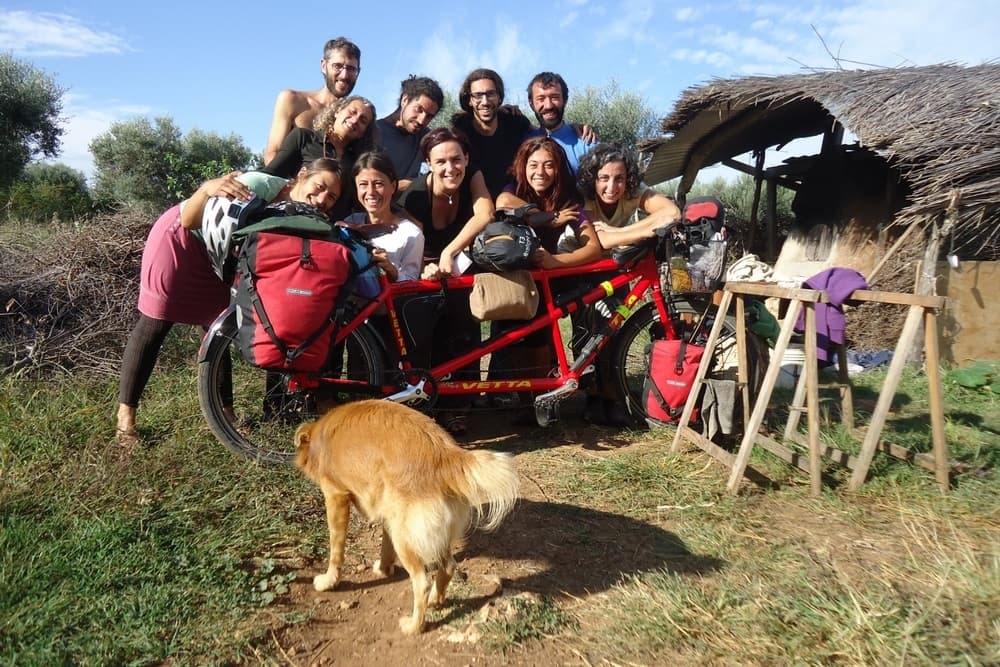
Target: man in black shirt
[401,131]
[494,133]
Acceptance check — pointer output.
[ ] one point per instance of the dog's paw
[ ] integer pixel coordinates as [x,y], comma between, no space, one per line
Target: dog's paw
[324,582]
[435,599]
[410,625]
[386,571]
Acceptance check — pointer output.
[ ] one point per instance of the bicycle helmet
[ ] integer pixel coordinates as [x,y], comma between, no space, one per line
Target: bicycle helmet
[222,217]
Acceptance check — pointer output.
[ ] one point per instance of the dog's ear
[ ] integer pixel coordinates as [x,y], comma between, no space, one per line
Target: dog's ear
[302,440]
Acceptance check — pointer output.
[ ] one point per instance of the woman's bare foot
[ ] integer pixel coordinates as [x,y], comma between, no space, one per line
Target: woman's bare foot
[125,433]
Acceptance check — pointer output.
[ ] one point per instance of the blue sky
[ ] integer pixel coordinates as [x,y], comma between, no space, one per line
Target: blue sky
[218,66]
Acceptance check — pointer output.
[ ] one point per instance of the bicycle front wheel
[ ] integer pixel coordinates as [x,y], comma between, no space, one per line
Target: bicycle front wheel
[259,420]
[629,359]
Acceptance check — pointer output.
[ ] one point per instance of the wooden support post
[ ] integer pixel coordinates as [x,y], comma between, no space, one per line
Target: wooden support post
[932,361]
[767,387]
[812,400]
[846,395]
[903,347]
[713,337]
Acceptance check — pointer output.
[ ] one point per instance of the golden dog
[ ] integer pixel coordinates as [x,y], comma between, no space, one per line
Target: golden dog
[401,469]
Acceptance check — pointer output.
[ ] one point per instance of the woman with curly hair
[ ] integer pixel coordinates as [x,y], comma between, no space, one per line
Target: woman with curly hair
[623,209]
[344,130]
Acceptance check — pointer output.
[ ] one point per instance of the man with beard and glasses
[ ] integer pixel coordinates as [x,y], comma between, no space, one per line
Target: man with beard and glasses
[495,132]
[400,132]
[340,65]
[547,95]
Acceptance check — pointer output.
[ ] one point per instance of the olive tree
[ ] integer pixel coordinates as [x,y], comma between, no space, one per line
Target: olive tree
[47,192]
[30,104]
[618,116]
[149,165]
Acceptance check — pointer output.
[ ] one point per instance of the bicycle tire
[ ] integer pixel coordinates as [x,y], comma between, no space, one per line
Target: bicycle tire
[628,361]
[262,424]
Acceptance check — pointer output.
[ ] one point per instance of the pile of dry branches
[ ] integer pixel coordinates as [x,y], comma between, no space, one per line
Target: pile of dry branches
[68,295]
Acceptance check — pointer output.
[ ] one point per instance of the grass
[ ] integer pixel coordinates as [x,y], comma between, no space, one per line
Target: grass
[179,553]
[169,555]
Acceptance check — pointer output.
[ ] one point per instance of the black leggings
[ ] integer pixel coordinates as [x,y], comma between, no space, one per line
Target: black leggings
[140,355]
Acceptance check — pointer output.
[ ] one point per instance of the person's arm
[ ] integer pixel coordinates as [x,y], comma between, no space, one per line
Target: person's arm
[589,251]
[412,260]
[282,122]
[482,214]
[660,211]
[288,159]
[227,186]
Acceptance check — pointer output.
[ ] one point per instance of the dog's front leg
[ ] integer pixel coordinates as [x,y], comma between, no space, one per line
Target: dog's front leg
[338,510]
[411,625]
[386,564]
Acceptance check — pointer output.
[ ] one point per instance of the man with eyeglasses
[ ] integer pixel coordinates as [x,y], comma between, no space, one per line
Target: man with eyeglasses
[494,131]
[400,132]
[340,65]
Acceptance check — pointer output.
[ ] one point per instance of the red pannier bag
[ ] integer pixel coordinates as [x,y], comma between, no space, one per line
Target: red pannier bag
[286,293]
[673,365]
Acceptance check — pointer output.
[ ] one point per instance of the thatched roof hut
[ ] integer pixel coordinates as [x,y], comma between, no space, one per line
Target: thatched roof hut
[937,127]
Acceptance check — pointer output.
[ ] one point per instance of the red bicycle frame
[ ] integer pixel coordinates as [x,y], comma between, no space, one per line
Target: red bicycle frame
[565,376]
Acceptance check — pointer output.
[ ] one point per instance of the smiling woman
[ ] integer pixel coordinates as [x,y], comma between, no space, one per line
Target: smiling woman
[399,238]
[343,131]
[177,281]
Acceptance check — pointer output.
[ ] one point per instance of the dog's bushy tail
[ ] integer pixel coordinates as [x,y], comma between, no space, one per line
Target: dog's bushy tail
[492,486]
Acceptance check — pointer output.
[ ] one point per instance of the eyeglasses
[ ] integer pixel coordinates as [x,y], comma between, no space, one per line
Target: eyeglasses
[352,70]
[488,95]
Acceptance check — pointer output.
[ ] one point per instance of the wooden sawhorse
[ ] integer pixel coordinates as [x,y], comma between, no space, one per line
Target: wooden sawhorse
[922,309]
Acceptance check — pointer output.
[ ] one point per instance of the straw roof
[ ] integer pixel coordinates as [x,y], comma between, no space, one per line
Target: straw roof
[938,126]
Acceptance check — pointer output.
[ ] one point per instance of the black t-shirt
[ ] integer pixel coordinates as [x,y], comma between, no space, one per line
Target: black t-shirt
[402,147]
[416,199]
[495,154]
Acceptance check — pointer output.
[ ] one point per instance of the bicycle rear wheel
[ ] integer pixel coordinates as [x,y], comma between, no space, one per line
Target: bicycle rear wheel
[629,358]
[265,411]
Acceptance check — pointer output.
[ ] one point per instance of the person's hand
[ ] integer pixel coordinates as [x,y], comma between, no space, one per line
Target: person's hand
[543,259]
[510,109]
[586,133]
[431,272]
[228,187]
[566,216]
[382,259]
[446,266]
[601,226]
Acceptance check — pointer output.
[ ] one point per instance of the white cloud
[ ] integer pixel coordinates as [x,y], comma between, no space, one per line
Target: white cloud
[569,19]
[702,57]
[915,32]
[685,14]
[630,25]
[448,55]
[54,35]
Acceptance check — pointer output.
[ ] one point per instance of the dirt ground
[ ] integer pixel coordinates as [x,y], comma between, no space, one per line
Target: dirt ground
[544,548]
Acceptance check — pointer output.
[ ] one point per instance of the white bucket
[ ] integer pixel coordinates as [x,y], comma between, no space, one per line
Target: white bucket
[792,363]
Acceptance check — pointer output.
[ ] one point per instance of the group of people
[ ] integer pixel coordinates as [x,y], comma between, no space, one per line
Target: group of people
[421,195]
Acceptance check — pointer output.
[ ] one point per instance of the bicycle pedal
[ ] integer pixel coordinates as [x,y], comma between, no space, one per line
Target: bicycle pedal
[546,414]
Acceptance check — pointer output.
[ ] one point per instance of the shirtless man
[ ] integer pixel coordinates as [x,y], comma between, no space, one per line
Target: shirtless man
[340,65]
